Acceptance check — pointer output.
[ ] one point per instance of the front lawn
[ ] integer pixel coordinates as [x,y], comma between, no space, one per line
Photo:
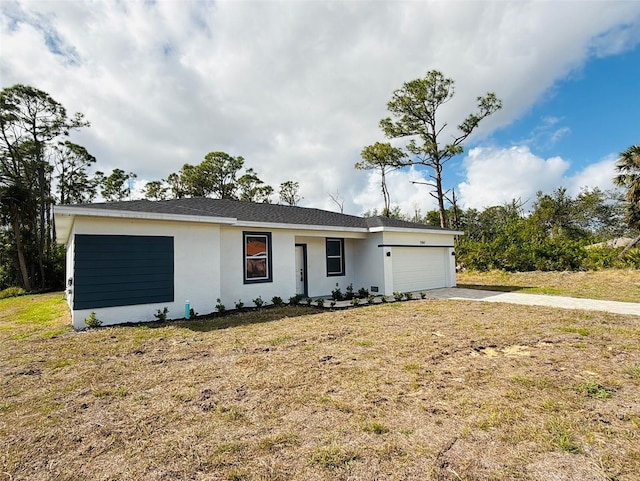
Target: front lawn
[420,390]
[612,284]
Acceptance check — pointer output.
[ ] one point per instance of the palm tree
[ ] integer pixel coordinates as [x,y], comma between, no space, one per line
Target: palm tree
[628,166]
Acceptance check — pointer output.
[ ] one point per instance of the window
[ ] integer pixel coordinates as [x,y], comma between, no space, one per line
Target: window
[257,257]
[335,257]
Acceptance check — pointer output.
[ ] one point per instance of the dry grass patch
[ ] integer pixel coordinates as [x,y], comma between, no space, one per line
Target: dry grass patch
[422,390]
[613,284]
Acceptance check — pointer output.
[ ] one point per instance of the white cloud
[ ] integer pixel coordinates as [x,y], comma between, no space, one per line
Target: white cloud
[297,88]
[599,174]
[404,193]
[494,176]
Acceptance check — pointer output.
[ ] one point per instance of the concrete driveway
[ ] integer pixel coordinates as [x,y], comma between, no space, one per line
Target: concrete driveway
[629,308]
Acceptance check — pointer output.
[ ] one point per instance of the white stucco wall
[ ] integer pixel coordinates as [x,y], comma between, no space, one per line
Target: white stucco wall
[369,259]
[196,267]
[420,240]
[318,283]
[69,271]
[233,287]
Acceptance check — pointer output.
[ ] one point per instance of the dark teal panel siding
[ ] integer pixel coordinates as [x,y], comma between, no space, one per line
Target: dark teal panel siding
[119,270]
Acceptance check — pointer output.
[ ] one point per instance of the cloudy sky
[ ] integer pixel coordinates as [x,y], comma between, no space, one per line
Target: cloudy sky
[298,88]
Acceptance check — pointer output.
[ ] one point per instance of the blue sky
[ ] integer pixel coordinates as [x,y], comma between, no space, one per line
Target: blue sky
[593,112]
[298,88]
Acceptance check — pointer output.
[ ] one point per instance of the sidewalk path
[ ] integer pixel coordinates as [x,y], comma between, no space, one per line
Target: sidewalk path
[630,308]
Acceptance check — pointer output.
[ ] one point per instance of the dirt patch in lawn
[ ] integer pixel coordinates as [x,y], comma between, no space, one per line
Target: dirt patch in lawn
[420,390]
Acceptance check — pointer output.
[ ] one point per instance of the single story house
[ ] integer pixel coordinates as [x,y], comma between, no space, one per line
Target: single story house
[127,260]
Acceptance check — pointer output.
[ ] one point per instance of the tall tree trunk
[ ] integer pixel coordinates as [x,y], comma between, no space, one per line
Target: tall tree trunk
[385,195]
[20,249]
[443,215]
[629,246]
[456,219]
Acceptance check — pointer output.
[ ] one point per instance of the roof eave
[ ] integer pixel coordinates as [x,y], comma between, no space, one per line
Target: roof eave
[415,230]
[65,217]
[282,225]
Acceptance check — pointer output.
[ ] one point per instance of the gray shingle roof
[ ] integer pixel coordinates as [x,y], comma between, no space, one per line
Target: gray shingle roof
[253,212]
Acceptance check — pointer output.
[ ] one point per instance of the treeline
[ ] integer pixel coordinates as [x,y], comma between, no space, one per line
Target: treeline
[41,167]
[560,232]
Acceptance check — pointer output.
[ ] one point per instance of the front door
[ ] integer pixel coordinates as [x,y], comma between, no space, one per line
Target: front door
[301,269]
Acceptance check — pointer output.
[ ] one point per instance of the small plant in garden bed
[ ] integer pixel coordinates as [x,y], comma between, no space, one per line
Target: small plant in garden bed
[161,315]
[239,304]
[363,292]
[423,295]
[320,302]
[398,295]
[336,294]
[92,320]
[349,295]
[408,295]
[295,300]
[371,298]
[355,301]
[309,301]
[258,302]
[277,301]
[220,309]
[332,303]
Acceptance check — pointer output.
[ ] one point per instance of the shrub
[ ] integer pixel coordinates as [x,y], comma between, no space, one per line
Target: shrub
[371,298]
[220,309]
[320,302]
[333,304]
[363,292]
[12,292]
[161,315]
[239,304]
[92,320]
[408,295]
[308,301]
[600,258]
[355,301]
[423,295]
[336,294]
[277,301]
[631,259]
[398,295]
[258,302]
[295,300]
[349,295]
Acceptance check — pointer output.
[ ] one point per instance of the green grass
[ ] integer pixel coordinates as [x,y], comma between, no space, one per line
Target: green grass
[612,284]
[414,391]
[594,390]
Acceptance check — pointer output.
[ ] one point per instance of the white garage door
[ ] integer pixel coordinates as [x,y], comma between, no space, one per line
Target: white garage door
[418,268]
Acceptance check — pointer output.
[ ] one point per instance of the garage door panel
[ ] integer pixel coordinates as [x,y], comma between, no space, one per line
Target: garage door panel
[416,269]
